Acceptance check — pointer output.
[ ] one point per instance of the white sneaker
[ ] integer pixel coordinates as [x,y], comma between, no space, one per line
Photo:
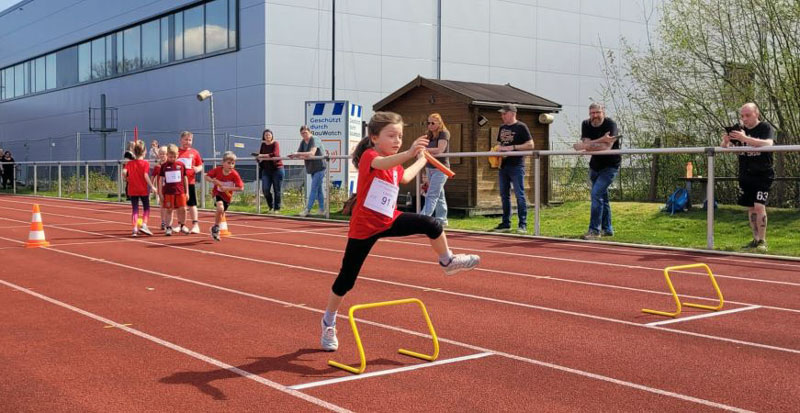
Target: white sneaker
[135,233]
[304,213]
[195,229]
[168,231]
[328,341]
[461,262]
[146,230]
[184,229]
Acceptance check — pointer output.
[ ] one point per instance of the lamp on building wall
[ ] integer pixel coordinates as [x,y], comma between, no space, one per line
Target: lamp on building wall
[545,118]
[482,120]
[201,96]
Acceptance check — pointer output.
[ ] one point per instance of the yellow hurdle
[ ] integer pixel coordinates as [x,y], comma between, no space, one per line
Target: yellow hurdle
[361,355]
[675,295]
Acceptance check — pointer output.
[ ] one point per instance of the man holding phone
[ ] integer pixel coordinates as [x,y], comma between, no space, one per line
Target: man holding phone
[756,172]
[599,133]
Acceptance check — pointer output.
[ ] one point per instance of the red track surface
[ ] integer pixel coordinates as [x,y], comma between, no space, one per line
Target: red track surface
[231,325]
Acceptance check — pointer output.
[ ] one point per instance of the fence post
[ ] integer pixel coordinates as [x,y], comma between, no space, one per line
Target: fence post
[258,186]
[86,171]
[326,195]
[119,181]
[419,195]
[202,188]
[710,200]
[537,190]
[78,160]
[35,186]
[59,179]
[14,179]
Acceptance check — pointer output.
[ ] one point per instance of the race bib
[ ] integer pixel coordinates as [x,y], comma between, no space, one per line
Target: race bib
[382,197]
[187,162]
[172,176]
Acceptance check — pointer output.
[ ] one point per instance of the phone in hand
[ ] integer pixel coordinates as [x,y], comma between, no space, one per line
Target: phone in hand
[729,129]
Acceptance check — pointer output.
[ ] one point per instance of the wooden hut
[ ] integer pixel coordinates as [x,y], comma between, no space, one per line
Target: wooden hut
[470,111]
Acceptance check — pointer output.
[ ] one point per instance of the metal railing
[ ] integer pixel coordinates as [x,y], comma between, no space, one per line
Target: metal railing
[709,152]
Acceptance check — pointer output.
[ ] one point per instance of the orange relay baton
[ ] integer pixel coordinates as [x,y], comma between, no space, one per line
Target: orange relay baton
[440,166]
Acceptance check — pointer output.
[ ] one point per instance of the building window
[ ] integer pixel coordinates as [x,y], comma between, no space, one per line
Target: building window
[193,32]
[207,27]
[151,48]
[99,69]
[67,64]
[50,69]
[39,76]
[165,43]
[132,53]
[216,25]
[84,62]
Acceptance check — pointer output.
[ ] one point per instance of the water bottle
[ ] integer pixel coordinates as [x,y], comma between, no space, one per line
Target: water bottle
[689,169]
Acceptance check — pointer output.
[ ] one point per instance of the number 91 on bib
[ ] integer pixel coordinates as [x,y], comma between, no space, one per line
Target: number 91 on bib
[382,197]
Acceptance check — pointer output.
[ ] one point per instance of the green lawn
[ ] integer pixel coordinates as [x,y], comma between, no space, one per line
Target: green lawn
[644,223]
[634,222]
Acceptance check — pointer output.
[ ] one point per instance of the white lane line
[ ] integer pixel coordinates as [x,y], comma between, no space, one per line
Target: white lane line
[423,288]
[441,340]
[484,251]
[183,350]
[699,316]
[387,372]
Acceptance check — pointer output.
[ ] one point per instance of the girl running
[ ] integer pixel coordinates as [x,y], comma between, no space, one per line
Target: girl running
[375,214]
[137,173]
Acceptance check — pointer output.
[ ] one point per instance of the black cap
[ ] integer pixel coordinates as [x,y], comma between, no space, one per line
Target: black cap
[508,108]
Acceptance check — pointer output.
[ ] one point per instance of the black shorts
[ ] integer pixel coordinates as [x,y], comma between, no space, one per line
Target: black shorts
[220,199]
[191,196]
[754,190]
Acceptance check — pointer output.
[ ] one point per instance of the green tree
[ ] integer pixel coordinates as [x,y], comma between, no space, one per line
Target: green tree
[704,60]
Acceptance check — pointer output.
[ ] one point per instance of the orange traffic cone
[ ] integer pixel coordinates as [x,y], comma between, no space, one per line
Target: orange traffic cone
[36,236]
[223,227]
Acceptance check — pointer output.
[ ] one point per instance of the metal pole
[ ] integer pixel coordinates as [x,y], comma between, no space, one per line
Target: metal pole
[326,194]
[35,186]
[213,134]
[203,189]
[333,50]
[59,179]
[14,178]
[710,200]
[119,181]
[537,191]
[87,180]
[419,195]
[78,160]
[258,187]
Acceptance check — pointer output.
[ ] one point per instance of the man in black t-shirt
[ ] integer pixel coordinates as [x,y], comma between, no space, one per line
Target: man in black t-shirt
[755,170]
[599,133]
[513,136]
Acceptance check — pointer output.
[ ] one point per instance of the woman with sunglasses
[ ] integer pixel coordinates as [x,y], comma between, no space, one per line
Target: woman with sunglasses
[439,142]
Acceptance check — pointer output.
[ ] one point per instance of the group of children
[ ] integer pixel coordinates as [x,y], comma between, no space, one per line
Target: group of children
[173,182]
[375,215]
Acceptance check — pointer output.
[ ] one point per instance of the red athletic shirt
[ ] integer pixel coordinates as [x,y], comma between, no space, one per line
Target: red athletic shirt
[190,158]
[366,222]
[137,185]
[230,180]
[172,188]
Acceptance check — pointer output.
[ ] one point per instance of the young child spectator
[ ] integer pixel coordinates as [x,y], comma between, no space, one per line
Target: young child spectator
[226,181]
[137,175]
[161,157]
[175,185]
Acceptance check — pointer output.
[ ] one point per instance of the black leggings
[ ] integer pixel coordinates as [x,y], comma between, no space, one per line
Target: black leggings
[357,250]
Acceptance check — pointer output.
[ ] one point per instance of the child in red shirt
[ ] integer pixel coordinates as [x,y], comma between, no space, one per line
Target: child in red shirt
[137,174]
[174,184]
[226,180]
[375,214]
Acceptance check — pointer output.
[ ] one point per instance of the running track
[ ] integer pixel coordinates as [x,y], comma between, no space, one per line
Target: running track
[104,322]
